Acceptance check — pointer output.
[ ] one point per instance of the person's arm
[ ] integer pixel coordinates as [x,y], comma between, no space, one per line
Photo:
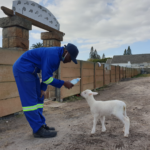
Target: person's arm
[48,65]
[58,83]
[54,82]
[43,86]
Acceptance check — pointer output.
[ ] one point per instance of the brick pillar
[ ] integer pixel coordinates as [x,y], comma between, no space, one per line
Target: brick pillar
[15,32]
[51,39]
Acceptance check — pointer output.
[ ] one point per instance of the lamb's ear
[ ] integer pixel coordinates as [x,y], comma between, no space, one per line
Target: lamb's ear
[91,93]
[94,93]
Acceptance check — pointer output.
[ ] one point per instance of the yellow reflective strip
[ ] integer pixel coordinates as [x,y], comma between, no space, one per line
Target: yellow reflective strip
[30,109]
[49,80]
[30,106]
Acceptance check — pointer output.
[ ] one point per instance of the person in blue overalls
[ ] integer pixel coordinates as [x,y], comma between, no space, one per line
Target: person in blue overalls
[30,89]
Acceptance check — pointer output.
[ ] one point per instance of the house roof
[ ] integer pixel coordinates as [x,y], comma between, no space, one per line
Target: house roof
[134,59]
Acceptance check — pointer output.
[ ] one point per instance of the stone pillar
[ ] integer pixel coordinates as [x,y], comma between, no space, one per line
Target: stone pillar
[15,32]
[51,39]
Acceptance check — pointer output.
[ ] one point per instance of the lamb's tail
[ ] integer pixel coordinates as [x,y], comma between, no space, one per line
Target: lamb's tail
[124,111]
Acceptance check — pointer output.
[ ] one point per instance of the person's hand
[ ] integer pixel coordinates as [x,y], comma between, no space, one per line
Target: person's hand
[68,85]
[43,93]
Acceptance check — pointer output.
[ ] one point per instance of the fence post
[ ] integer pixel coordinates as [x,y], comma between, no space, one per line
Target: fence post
[103,75]
[115,74]
[81,81]
[94,76]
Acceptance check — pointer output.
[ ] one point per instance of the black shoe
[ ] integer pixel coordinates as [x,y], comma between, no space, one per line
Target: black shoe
[48,128]
[43,133]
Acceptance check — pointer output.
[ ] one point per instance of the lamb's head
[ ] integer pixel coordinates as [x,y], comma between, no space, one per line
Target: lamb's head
[88,93]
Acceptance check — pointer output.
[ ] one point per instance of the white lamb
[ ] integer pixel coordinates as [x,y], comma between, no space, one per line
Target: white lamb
[106,108]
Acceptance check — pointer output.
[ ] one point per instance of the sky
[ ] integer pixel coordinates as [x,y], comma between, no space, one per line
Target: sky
[110,26]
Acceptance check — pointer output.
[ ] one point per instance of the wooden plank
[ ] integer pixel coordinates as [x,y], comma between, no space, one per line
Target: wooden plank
[99,72]
[112,75]
[6,73]
[8,57]
[10,106]
[81,73]
[113,72]
[99,78]
[88,65]
[8,90]
[9,12]
[67,93]
[107,82]
[117,75]
[113,81]
[107,72]
[113,67]
[88,72]
[99,68]
[88,79]
[88,86]
[71,64]
[107,78]
[70,72]
[99,84]
[51,88]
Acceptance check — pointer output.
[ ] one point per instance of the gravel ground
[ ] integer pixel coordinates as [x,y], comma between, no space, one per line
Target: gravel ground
[73,121]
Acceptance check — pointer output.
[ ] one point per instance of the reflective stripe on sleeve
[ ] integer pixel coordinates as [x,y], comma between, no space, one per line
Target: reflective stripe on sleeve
[49,80]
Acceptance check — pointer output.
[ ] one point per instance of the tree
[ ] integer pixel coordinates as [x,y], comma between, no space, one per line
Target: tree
[99,60]
[94,54]
[129,51]
[125,52]
[37,45]
[103,57]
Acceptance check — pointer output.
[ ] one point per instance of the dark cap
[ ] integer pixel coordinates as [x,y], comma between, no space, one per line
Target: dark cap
[73,51]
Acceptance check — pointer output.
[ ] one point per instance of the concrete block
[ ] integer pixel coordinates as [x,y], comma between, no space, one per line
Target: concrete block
[25,34]
[51,36]
[15,21]
[18,42]
[12,32]
[5,43]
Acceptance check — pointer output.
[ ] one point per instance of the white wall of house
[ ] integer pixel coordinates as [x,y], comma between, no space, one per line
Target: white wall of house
[122,64]
[129,65]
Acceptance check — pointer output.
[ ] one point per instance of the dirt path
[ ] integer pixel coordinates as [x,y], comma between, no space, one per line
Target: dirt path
[73,122]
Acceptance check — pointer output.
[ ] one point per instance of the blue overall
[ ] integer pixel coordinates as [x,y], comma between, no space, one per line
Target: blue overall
[25,71]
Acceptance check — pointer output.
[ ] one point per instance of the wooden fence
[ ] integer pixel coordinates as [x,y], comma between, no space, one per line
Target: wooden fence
[9,96]
[92,76]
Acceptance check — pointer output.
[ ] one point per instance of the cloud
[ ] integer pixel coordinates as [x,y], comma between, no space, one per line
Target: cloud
[45,1]
[109,23]
[103,24]
[36,36]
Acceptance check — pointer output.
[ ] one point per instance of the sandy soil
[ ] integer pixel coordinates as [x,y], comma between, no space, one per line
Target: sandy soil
[73,122]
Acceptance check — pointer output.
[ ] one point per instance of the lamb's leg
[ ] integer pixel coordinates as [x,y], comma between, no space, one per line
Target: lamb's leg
[125,120]
[103,123]
[94,123]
